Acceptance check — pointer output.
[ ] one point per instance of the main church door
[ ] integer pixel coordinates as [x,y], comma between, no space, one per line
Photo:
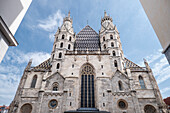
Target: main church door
[87,87]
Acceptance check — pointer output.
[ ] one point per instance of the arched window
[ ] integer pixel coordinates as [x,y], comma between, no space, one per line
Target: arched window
[26,108]
[120,85]
[104,46]
[34,80]
[111,36]
[112,44]
[103,38]
[141,81]
[70,38]
[63,36]
[58,65]
[55,86]
[69,46]
[114,53]
[54,46]
[149,109]
[60,55]
[115,63]
[61,45]
[53,57]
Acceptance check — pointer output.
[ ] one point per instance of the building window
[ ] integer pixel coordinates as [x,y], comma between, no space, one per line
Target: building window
[104,46]
[26,108]
[54,46]
[149,109]
[70,94]
[61,45]
[34,80]
[63,36]
[141,81]
[70,38]
[58,65]
[102,66]
[112,44]
[70,103]
[69,46]
[122,104]
[103,95]
[71,73]
[102,73]
[53,57]
[55,86]
[120,85]
[115,63]
[60,55]
[87,86]
[103,38]
[72,65]
[53,104]
[103,104]
[114,53]
[111,36]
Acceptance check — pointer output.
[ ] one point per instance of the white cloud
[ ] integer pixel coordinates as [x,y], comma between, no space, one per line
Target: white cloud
[51,23]
[11,70]
[165,89]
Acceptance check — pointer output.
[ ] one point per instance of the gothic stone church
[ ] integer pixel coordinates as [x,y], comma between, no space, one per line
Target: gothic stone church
[87,72]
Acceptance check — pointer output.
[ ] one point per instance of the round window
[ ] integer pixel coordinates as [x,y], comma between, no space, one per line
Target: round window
[53,104]
[122,104]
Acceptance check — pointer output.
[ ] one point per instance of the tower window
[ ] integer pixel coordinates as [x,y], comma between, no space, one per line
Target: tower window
[54,46]
[120,85]
[58,65]
[102,73]
[63,36]
[55,86]
[103,95]
[61,45]
[72,65]
[103,38]
[34,80]
[115,63]
[101,66]
[70,94]
[112,44]
[60,55]
[70,38]
[53,57]
[104,46]
[111,36]
[141,81]
[103,104]
[69,46]
[70,103]
[114,53]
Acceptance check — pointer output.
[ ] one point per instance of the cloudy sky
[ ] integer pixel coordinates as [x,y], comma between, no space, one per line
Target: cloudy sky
[36,34]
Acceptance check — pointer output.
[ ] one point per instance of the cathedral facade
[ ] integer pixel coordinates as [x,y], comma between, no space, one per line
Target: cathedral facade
[87,72]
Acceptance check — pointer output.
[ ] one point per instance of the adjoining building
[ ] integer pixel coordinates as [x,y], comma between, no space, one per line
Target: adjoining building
[87,72]
[158,12]
[11,15]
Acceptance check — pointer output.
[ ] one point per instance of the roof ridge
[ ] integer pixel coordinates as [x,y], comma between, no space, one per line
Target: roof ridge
[89,27]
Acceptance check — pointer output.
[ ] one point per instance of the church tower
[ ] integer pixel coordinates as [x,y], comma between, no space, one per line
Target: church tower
[110,41]
[86,73]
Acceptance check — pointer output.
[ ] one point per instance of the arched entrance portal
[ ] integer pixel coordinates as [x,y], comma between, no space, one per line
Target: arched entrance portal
[87,86]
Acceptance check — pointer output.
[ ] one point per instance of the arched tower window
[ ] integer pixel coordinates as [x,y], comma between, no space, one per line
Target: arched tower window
[103,39]
[54,46]
[114,53]
[141,81]
[70,38]
[63,36]
[53,57]
[60,55]
[69,46]
[34,80]
[26,108]
[111,36]
[112,44]
[120,85]
[61,45]
[87,86]
[149,109]
[115,63]
[55,86]
[104,46]
[58,66]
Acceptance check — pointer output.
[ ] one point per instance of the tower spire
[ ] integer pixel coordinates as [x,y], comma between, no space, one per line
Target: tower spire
[105,14]
[69,13]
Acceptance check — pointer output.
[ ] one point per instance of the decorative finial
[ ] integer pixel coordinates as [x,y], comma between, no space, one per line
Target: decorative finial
[87,22]
[105,13]
[69,13]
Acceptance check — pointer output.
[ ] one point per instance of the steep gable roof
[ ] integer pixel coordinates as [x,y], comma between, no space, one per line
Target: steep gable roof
[87,38]
[44,66]
[130,64]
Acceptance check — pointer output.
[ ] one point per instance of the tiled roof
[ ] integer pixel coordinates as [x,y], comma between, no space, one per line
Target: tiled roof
[46,65]
[87,38]
[130,64]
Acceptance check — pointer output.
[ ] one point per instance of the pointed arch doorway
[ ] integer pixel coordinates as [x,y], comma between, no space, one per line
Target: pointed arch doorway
[87,86]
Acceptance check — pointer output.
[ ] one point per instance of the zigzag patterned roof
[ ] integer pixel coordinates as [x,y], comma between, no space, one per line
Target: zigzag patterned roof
[46,65]
[87,38]
[130,64]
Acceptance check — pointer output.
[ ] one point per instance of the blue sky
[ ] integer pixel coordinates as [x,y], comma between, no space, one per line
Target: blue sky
[35,36]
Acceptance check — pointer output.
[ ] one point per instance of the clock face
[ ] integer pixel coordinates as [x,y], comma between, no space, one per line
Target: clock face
[53,104]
